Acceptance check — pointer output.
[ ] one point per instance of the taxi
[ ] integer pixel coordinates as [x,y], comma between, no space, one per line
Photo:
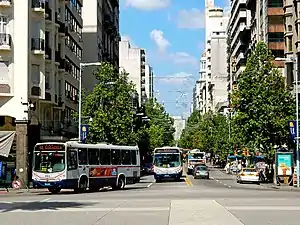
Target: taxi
[249,175]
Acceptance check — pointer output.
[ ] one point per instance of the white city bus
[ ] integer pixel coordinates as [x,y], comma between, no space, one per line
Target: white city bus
[78,166]
[167,163]
[195,157]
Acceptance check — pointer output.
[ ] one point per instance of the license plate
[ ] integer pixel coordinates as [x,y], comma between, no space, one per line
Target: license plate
[167,175]
[47,184]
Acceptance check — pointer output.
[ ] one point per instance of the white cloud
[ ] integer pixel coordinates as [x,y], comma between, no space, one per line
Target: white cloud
[191,19]
[177,78]
[162,45]
[183,58]
[161,42]
[148,4]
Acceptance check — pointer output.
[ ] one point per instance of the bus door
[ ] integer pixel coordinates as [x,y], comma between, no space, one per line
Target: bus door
[72,164]
[83,167]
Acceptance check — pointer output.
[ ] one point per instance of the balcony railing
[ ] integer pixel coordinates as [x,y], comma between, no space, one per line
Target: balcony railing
[5,39]
[38,4]
[37,44]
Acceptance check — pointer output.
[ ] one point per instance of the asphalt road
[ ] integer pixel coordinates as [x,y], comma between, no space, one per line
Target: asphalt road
[217,201]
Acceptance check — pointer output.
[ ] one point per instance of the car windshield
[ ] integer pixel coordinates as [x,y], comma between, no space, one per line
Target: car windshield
[201,168]
[166,160]
[49,162]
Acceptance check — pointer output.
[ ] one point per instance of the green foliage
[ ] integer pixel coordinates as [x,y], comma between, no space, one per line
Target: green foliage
[161,128]
[109,105]
[208,132]
[262,104]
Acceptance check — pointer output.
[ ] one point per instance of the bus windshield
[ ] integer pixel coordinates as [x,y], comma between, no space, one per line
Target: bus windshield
[49,162]
[167,160]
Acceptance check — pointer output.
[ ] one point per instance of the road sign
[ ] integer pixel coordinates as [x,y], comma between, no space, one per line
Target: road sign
[84,132]
[293,129]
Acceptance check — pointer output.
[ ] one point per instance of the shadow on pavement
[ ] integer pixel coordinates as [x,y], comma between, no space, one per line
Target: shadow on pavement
[37,206]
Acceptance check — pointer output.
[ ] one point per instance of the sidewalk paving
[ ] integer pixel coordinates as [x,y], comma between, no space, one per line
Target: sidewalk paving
[12,191]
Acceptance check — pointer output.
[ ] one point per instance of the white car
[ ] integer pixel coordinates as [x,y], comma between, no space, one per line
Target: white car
[250,175]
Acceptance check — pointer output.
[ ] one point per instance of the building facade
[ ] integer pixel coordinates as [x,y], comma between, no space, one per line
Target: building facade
[41,46]
[133,61]
[179,125]
[213,81]
[100,36]
[292,37]
[149,81]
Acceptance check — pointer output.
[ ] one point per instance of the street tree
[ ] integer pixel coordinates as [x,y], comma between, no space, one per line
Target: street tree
[110,107]
[262,104]
[161,130]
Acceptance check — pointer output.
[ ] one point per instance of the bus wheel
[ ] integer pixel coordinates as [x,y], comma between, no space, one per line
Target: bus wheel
[121,184]
[54,190]
[83,183]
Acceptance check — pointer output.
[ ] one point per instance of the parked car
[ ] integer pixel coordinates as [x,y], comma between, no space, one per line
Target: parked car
[201,172]
[250,175]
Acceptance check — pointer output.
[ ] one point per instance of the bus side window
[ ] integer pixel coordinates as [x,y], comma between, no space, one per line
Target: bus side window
[93,156]
[126,157]
[133,157]
[82,156]
[72,159]
[115,157]
[105,157]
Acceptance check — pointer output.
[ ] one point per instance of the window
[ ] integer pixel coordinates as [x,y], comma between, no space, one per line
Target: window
[72,159]
[35,29]
[93,156]
[126,157]
[82,156]
[47,80]
[133,157]
[115,157]
[3,24]
[290,44]
[35,74]
[105,157]
[4,71]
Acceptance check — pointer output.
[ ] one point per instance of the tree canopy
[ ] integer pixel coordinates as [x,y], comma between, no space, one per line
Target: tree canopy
[115,121]
[262,104]
[110,107]
[208,132]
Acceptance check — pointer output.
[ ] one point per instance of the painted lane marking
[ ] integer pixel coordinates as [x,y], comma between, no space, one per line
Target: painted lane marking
[149,185]
[45,200]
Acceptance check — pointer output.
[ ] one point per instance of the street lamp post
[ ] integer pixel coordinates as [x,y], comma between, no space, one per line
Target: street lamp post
[82,66]
[295,62]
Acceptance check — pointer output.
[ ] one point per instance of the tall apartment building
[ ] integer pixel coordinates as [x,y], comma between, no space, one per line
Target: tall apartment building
[267,24]
[179,125]
[149,81]
[100,36]
[202,85]
[40,52]
[292,37]
[133,61]
[215,58]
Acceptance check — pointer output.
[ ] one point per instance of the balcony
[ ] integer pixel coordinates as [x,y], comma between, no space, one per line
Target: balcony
[38,6]
[5,42]
[38,46]
[5,3]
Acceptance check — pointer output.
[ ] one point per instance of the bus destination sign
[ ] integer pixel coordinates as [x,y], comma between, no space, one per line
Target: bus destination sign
[165,150]
[50,147]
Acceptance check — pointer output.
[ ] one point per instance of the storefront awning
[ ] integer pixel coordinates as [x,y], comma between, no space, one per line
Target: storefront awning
[6,141]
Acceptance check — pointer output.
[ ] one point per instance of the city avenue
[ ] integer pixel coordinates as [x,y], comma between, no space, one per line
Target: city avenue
[217,201]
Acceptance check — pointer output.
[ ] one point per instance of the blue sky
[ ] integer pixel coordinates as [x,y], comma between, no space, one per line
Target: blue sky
[172,33]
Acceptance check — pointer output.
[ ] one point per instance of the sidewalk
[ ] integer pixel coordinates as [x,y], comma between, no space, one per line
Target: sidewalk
[12,191]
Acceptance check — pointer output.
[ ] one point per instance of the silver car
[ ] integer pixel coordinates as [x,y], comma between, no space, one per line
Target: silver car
[201,172]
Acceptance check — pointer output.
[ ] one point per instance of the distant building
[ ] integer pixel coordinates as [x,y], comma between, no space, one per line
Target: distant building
[179,125]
